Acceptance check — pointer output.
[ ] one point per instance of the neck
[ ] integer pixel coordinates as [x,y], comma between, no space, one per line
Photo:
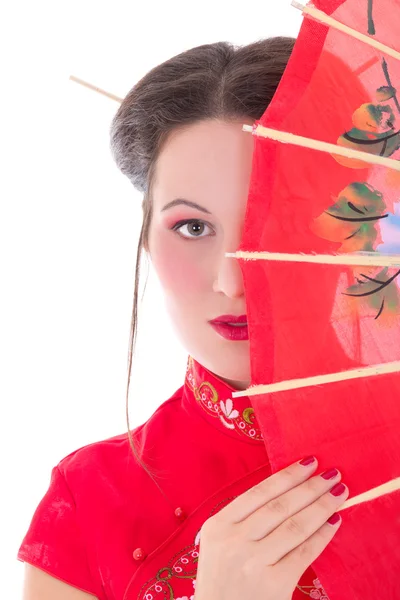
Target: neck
[237,385]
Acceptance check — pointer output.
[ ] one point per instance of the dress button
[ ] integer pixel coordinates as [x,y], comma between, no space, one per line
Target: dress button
[138,554]
[180,513]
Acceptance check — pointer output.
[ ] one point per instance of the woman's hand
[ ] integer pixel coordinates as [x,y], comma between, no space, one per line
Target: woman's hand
[261,543]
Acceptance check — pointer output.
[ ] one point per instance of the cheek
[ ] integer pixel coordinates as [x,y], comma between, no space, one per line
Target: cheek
[178,266]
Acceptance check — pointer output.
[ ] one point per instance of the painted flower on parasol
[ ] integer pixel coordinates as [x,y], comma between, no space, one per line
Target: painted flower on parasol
[360,221]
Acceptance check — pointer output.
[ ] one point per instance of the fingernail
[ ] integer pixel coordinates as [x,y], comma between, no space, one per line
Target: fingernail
[309,460]
[338,489]
[330,474]
[334,519]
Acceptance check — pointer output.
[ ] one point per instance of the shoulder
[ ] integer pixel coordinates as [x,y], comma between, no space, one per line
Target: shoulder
[99,502]
[113,457]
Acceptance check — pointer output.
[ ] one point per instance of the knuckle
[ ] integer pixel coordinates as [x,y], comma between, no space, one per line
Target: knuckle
[278,506]
[326,502]
[210,528]
[305,552]
[294,526]
[288,476]
[250,565]
[257,491]
[314,485]
[321,538]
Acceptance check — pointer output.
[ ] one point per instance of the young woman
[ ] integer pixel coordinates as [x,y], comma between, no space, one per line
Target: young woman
[186,507]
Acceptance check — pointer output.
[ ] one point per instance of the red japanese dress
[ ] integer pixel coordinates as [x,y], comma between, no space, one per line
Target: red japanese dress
[106,529]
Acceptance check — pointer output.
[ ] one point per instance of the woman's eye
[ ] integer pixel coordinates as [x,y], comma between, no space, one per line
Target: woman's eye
[192,228]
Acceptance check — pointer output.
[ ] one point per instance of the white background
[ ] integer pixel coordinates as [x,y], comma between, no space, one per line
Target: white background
[69,226]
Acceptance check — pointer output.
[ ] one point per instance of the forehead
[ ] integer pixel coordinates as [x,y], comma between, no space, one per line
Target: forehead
[204,159]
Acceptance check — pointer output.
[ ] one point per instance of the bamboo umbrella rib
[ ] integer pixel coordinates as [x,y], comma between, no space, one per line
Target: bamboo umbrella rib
[362,259]
[319,15]
[386,488]
[295,384]
[298,140]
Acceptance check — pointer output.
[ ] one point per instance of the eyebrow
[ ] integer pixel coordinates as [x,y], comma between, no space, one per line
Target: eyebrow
[187,203]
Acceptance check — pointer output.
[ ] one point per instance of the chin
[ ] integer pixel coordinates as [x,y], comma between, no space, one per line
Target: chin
[231,362]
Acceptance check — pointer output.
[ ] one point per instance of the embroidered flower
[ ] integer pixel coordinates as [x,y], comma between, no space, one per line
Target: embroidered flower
[207,396]
[188,597]
[318,593]
[227,409]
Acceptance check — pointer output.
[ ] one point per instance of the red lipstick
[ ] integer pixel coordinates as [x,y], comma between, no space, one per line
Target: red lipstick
[231,327]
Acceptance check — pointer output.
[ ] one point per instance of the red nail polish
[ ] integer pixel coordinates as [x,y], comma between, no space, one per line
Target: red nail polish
[331,474]
[334,519]
[309,460]
[338,489]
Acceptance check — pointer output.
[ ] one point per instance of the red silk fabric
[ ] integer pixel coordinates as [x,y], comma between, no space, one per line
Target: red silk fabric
[319,319]
[101,508]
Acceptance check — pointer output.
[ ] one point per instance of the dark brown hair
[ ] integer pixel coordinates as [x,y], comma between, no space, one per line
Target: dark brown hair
[212,81]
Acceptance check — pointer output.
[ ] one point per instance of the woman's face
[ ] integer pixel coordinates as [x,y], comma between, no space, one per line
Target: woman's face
[207,164]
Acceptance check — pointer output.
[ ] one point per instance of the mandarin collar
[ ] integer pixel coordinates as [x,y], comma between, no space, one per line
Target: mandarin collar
[212,399]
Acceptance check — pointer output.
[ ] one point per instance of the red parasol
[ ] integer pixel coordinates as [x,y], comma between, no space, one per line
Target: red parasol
[320,256]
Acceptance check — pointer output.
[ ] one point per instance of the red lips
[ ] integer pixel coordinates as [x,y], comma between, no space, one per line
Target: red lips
[230,319]
[229,327]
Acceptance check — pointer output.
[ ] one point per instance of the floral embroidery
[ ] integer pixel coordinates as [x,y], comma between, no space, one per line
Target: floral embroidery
[227,409]
[187,597]
[183,566]
[317,592]
[243,421]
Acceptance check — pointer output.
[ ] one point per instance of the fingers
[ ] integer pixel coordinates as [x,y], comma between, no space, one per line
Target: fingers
[277,511]
[277,484]
[299,559]
[300,527]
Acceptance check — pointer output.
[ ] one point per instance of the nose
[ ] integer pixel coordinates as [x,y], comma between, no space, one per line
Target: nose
[229,278]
